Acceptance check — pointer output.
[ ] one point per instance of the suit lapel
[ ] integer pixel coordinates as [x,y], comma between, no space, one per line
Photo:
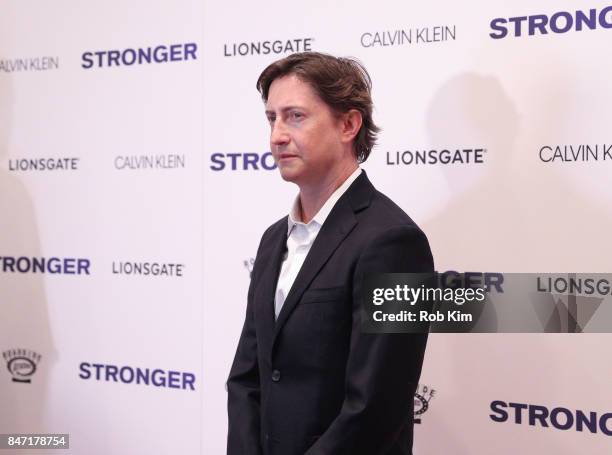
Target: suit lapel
[340,222]
[268,281]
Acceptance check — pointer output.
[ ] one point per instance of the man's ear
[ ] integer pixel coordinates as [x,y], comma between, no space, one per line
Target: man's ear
[351,124]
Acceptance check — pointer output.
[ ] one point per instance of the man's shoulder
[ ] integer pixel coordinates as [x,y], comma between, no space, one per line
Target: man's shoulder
[380,210]
[274,229]
[385,213]
[267,242]
[389,234]
[277,225]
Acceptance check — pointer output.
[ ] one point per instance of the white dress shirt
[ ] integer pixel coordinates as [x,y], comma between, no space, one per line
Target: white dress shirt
[300,237]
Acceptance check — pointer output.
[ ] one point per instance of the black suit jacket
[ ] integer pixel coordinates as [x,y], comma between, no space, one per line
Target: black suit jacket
[311,382]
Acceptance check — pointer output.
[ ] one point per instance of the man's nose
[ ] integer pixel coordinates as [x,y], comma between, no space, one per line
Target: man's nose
[279,135]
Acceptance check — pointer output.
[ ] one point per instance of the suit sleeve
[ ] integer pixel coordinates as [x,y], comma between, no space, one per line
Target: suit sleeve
[383,370]
[243,387]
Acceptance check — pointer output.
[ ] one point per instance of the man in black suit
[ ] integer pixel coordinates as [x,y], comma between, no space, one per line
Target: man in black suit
[305,378]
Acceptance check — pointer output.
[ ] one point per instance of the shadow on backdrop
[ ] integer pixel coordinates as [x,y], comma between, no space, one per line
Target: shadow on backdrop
[24,318]
[504,216]
[512,213]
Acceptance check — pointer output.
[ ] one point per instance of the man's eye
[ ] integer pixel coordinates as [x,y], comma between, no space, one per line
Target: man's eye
[297,115]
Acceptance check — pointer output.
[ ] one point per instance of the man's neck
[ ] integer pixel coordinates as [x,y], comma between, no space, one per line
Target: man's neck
[313,197]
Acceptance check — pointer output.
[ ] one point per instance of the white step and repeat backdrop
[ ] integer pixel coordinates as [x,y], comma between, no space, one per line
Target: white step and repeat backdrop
[136,181]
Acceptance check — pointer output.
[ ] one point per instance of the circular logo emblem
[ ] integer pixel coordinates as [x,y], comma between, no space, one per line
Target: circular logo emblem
[21,368]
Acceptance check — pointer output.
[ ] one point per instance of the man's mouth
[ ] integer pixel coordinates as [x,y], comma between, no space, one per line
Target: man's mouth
[283,156]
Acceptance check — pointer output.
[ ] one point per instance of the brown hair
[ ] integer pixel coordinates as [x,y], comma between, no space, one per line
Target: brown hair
[342,83]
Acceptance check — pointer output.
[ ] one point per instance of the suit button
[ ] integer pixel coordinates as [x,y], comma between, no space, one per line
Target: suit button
[276,375]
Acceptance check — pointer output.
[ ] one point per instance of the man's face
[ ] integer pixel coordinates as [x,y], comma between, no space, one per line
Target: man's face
[305,135]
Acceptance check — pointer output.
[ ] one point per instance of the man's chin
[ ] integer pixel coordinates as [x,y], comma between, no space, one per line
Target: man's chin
[288,174]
